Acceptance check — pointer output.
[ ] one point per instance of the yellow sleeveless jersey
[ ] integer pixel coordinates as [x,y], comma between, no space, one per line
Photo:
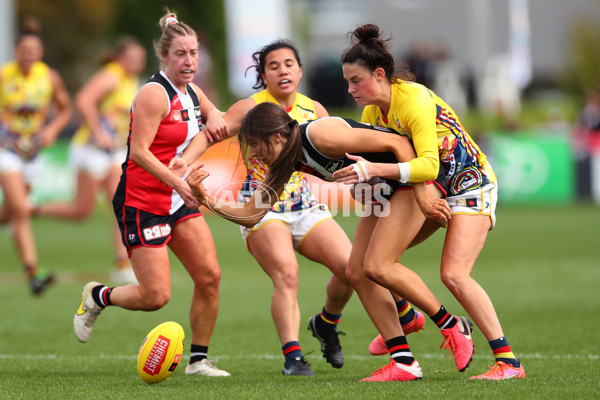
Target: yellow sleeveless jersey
[24,99]
[115,107]
[437,136]
[296,195]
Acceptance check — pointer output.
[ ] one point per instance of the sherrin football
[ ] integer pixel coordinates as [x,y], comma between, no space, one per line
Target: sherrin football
[160,352]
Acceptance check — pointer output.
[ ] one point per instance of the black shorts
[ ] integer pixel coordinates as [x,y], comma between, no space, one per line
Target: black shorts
[141,228]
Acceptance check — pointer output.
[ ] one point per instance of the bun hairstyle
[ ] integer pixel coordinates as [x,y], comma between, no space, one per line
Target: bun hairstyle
[171,28]
[260,58]
[30,26]
[260,123]
[372,52]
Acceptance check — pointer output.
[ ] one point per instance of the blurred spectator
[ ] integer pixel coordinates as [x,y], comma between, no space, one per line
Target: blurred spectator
[499,91]
[421,62]
[434,67]
[447,80]
[328,86]
[586,138]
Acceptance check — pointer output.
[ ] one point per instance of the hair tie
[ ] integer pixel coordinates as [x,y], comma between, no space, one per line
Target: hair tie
[170,20]
[292,123]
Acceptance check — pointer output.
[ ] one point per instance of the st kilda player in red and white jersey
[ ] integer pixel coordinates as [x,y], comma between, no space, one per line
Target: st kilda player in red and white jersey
[139,190]
[155,207]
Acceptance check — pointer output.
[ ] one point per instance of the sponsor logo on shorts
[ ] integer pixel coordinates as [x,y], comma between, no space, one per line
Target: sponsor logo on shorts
[157,231]
[470,202]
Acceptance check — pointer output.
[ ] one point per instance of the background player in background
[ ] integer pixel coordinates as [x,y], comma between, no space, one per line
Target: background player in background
[34,108]
[99,146]
[319,147]
[155,207]
[441,143]
[296,222]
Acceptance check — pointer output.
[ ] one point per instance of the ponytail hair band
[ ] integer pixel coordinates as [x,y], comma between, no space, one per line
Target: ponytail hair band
[170,20]
[292,123]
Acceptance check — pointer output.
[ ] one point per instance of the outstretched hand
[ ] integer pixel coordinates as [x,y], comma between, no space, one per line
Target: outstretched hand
[194,179]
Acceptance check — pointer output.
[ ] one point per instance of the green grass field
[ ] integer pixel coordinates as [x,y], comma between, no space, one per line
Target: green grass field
[540,266]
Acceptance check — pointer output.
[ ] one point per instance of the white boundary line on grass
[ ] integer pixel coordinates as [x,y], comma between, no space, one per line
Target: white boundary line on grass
[538,356]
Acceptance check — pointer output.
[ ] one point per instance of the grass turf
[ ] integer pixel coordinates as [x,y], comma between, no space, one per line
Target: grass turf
[539,266]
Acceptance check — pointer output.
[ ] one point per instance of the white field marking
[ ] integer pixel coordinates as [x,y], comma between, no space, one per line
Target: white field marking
[537,356]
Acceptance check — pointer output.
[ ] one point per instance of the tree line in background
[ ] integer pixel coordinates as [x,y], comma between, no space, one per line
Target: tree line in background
[76,33]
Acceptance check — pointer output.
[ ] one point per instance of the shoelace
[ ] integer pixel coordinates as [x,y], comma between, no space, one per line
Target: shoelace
[450,345]
[494,369]
[333,338]
[380,370]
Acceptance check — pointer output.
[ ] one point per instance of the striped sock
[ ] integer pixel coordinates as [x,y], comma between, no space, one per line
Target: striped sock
[101,295]
[399,350]
[443,319]
[198,353]
[328,322]
[503,352]
[405,312]
[291,350]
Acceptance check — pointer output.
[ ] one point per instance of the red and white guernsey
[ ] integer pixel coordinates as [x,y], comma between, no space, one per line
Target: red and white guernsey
[137,187]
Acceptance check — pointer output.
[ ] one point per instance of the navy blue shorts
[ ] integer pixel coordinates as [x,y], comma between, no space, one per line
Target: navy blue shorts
[141,228]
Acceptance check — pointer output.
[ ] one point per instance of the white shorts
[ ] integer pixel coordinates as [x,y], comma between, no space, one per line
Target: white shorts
[12,162]
[481,201]
[94,160]
[300,223]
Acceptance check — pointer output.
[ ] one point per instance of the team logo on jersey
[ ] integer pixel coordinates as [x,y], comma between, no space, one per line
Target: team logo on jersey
[197,113]
[175,116]
[157,231]
[185,115]
[180,115]
[333,165]
[470,179]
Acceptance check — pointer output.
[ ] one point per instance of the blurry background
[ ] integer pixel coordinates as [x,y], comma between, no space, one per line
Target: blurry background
[523,75]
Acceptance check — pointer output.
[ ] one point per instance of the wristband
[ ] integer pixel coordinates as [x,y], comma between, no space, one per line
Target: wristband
[404,169]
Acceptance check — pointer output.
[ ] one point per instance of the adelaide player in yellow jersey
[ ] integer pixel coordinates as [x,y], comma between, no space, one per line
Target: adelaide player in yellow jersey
[99,146]
[391,100]
[28,89]
[297,222]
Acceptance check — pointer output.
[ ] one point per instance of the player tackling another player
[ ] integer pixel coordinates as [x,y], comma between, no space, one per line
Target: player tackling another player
[441,143]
